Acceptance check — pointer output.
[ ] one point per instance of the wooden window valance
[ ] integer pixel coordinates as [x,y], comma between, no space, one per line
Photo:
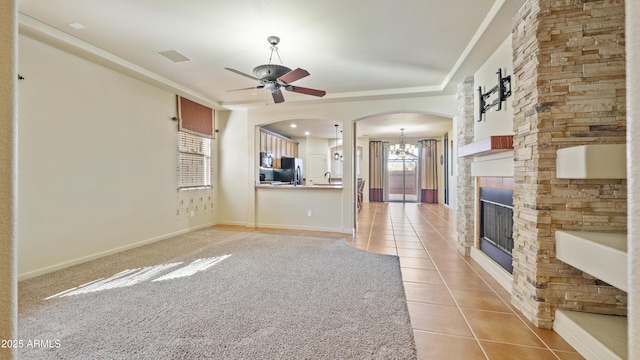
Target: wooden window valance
[195,118]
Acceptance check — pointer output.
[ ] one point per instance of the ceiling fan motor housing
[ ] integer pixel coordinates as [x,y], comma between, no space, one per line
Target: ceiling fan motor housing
[270,72]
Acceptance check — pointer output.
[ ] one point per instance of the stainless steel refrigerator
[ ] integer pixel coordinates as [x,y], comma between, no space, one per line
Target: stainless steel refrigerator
[291,171]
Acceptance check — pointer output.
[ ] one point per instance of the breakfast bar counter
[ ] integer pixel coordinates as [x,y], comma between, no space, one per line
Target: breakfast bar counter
[300,187]
[305,207]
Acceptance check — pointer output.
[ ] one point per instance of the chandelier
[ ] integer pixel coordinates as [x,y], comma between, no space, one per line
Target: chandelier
[402,150]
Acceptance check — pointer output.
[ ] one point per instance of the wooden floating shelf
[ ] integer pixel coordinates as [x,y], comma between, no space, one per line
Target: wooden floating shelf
[491,145]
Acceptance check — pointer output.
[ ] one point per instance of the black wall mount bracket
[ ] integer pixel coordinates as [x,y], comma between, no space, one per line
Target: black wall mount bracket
[503,88]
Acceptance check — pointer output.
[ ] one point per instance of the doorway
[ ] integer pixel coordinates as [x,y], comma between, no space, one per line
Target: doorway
[402,178]
[317,168]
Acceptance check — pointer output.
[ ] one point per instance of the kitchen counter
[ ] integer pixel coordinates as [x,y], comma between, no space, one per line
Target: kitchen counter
[316,207]
[300,187]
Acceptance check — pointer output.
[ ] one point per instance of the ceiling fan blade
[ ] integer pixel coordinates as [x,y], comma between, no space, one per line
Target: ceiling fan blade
[247,88]
[307,91]
[277,96]
[243,74]
[293,75]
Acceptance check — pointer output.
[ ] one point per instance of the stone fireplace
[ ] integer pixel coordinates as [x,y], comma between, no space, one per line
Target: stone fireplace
[568,76]
[568,90]
[569,62]
[495,225]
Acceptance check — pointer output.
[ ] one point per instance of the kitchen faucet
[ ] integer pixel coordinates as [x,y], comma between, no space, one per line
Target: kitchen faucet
[328,173]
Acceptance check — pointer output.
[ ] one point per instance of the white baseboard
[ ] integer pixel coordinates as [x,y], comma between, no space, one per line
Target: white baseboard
[304,228]
[496,271]
[66,264]
[286,227]
[235,223]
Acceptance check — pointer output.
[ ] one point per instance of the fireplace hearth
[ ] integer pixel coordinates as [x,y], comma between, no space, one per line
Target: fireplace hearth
[496,225]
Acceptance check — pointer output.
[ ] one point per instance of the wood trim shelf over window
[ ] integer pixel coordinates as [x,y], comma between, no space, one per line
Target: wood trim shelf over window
[195,118]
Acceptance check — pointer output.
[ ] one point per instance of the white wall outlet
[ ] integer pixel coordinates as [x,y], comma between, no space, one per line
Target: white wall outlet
[308,212]
[193,213]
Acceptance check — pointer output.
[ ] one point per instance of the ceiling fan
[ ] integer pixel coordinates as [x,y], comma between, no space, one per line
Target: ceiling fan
[277,77]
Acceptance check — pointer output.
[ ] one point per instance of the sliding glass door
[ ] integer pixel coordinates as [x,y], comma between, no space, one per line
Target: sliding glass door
[402,178]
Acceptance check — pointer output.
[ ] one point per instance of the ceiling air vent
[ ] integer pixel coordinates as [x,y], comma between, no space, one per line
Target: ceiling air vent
[173,56]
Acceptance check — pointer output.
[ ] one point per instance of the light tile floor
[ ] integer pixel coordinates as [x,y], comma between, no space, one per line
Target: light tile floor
[457,310]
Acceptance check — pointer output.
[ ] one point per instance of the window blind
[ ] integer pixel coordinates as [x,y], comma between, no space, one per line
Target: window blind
[194,161]
[195,118]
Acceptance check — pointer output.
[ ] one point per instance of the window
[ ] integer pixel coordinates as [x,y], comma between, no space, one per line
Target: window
[194,161]
[195,118]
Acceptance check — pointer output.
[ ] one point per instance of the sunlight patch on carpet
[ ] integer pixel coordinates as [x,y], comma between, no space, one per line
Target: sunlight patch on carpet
[135,276]
[195,267]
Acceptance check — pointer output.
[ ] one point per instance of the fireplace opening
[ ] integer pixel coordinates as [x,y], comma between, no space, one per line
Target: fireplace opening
[496,225]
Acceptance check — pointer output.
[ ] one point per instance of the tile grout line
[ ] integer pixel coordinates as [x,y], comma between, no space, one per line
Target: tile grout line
[511,311]
[371,228]
[475,336]
[457,306]
[422,216]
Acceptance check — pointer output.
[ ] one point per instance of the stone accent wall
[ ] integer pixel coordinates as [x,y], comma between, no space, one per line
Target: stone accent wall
[569,75]
[465,216]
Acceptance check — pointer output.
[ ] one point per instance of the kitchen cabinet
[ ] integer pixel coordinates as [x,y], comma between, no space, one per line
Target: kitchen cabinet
[278,146]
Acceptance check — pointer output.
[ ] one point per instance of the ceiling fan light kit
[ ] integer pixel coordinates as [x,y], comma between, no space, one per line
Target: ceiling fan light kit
[275,77]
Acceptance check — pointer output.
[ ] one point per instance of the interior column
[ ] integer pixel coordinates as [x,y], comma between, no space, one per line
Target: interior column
[8,171]
[465,216]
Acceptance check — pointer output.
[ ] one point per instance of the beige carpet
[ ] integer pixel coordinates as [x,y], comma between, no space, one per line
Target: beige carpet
[221,294]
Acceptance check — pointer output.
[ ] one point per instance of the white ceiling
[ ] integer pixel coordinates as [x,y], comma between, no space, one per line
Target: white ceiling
[351,48]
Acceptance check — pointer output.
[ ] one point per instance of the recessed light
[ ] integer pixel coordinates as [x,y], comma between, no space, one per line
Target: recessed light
[306,133]
[294,125]
[77,26]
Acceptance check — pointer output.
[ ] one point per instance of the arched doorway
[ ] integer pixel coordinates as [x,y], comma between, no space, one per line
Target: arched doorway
[396,138]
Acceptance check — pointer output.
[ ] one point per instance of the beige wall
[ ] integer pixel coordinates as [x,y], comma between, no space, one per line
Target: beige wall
[494,122]
[234,174]
[8,117]
[97,163]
